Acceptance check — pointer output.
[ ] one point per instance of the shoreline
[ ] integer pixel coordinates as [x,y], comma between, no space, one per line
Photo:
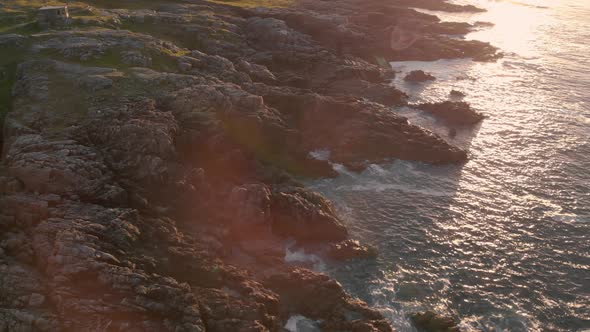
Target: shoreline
[151,160]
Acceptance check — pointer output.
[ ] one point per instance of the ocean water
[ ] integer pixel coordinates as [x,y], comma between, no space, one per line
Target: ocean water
[501,243]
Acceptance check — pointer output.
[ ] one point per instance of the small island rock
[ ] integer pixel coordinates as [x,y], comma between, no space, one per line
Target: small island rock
[419,76]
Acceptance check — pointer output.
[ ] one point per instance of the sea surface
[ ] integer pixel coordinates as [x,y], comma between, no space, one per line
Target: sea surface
[501,243]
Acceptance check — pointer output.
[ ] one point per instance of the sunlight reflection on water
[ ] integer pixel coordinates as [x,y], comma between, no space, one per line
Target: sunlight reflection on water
[504,241]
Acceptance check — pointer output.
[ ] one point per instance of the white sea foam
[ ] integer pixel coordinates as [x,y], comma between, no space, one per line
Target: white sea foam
[518,206]
[299,323]
[322,154]
[300,256]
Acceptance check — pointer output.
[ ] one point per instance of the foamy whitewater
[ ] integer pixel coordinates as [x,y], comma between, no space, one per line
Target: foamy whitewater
[502,242]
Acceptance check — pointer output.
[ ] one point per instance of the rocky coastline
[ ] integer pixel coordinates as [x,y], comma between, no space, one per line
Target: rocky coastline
[152,154]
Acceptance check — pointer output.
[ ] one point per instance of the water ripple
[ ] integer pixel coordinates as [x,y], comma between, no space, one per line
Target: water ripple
[502,243]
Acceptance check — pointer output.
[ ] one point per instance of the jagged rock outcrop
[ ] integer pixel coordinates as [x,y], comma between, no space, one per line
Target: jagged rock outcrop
[429,321]
[147,174]
[314,295]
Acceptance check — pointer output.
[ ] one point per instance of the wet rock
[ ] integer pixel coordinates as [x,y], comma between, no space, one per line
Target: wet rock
[350,249]
[419,76]
[456,94]
[429,321]
[453,113]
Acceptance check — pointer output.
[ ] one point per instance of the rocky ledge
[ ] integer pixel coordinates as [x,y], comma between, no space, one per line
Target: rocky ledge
[151,157]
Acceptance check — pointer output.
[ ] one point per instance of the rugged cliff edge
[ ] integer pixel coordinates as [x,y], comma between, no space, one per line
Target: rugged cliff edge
[151,152]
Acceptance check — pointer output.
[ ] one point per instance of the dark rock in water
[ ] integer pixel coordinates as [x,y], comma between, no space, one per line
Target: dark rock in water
[350,249]
[454,113]
[456,94]
[430,49]
[452,28]
[483,24]
[419,76]
[431,322]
